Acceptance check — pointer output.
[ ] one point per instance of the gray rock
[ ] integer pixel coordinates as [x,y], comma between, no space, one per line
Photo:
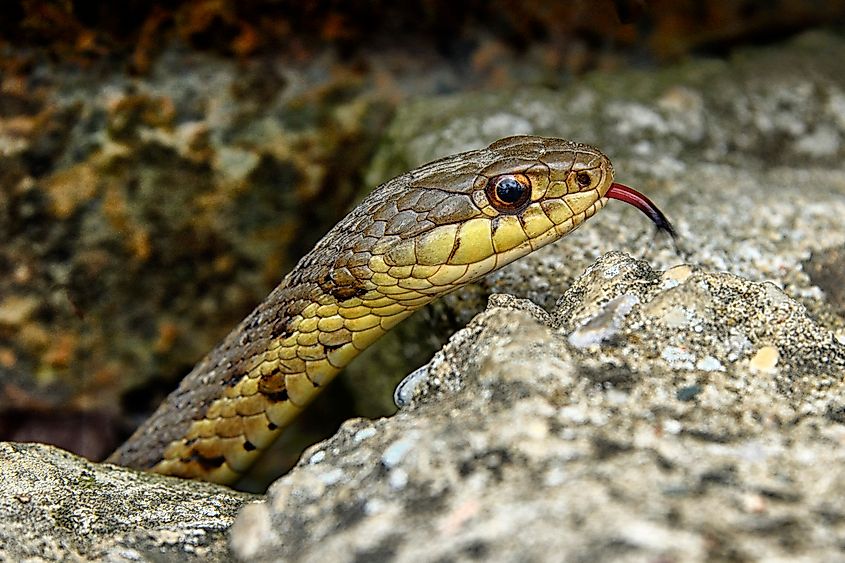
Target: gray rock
[688,406]
[55,506]
[678,407]
[666,437]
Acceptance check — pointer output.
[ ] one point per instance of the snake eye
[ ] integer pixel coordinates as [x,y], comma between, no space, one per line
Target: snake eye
[508,193]
[583,179]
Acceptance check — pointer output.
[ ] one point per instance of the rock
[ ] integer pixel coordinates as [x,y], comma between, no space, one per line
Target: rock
[55,506]
[671,405]
[826,269]
[142,217]
[656,440]
[715,144]
[681,405]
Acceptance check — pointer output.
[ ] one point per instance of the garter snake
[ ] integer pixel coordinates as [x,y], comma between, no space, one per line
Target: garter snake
[412,240]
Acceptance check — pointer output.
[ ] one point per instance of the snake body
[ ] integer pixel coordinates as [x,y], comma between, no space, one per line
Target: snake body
[412,240]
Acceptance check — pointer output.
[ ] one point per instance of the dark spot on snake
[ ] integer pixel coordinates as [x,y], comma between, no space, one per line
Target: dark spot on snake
[277,396]
[314,383]
[272,426]
[346,292]
[270,384]
[280,328]
[494,224]
[341,286]
[249,446]
[233,379]
[207,463]
[190,441]
[583,179]
[254,320]
[332,347]
[455,248]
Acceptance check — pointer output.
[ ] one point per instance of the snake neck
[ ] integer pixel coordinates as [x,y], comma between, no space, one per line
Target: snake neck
[414,239]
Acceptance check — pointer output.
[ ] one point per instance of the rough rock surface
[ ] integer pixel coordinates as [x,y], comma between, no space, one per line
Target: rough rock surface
[58,507]
[141,217]
[643,419]
[685,407]
[692,411]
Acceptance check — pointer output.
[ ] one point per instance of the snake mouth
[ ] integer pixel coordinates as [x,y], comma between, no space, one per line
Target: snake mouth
[641,202]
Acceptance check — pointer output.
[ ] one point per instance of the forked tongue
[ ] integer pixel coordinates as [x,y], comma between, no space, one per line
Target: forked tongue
[641,202]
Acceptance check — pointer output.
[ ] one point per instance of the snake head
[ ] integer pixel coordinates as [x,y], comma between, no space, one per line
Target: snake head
[562,184]
[456,219]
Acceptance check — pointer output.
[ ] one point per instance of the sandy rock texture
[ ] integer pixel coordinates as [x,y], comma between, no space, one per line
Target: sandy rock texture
[657,404]
[56,506]
[619,398]
[678,415]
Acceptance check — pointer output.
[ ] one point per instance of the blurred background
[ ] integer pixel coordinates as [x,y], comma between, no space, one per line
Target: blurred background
[164,164]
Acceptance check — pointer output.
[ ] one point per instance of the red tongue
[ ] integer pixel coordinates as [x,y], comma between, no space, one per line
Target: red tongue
[641,202]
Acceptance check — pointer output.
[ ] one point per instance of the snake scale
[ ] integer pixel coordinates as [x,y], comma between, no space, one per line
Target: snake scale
[412,240]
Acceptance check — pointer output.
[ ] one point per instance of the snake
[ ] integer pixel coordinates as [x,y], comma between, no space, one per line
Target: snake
[412,240]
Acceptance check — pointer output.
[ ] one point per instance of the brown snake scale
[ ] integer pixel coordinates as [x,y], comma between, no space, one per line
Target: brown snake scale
[412,240]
